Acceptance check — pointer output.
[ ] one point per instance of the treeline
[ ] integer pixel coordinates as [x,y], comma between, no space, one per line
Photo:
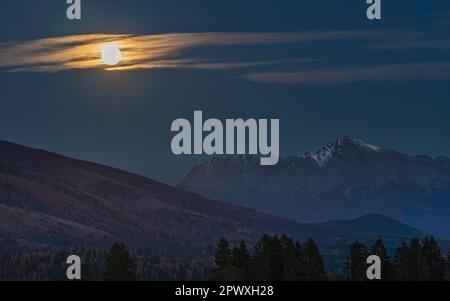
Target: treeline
[274,259]
[98,265]
[50,265]
[413,261]
[277,258]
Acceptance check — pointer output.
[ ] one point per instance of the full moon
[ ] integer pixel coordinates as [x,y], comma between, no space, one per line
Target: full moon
[111,54]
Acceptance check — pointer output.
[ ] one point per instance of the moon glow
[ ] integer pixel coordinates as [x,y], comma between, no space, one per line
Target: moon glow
[111,54]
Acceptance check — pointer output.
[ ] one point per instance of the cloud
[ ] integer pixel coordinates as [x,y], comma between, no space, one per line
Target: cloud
[146,51]
[174,51]
[426,71]
[413,45]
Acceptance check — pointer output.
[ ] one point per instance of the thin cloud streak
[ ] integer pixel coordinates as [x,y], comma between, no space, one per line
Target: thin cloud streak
[146,51]
[421,71]
[171,51]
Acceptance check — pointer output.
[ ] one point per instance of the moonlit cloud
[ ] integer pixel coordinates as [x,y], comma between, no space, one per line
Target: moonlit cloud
[426,71]
[175,51]
[145,51]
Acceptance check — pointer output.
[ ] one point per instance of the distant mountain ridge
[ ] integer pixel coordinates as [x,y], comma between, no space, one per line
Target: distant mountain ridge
[51,201]
[345,179]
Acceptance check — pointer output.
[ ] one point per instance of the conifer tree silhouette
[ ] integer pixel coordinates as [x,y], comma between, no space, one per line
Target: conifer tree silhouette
[119,264]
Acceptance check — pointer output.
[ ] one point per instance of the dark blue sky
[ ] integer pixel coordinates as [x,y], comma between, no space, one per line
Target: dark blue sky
[385,82]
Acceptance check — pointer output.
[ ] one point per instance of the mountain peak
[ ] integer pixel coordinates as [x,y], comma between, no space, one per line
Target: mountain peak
[348,140]
[346,178]
[342,145]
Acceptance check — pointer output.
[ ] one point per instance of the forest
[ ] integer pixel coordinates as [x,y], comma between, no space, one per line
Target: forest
[272,258]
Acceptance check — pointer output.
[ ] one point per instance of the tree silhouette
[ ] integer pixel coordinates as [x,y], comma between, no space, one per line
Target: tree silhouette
[224,256]
[436,266]
[241,260]
[226,271]
[241,256]
[387,270]
[86,273]
[292,262]
[416,263]
[119,264]
[314,267]
[283,259]
[448,266]
[401,263]
[357,263]
[268,262]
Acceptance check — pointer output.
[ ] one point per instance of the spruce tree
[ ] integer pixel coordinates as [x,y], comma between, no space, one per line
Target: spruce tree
[241,262]
[225,261]
[268,259]
[357,264]
[401,263]
[224,257]
[436,267]
[417,264]
[301,262]
[241,256]
[448,266]
[276,260]
[86,273]
[291,259]
[119,264]
[387,271]
[314,267]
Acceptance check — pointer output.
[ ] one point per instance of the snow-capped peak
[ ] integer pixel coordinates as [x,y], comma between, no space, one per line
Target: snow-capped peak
[343,140]
[324,155]
[343,143]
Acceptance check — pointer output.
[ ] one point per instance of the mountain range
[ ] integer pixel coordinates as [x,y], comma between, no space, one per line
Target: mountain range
[345,179]
[48,201]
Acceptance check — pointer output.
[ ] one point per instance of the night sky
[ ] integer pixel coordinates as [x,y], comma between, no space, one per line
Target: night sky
[386,82]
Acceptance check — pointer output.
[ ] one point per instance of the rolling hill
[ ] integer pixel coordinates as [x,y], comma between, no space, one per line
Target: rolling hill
[51,201]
